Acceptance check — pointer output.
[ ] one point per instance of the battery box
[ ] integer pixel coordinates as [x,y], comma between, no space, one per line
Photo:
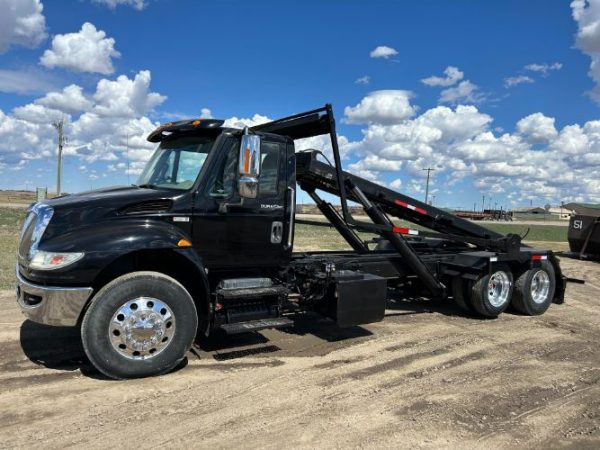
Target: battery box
[355,298]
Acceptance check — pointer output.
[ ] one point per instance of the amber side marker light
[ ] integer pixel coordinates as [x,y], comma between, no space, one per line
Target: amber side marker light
[184,243]
[247,161]
[196,123]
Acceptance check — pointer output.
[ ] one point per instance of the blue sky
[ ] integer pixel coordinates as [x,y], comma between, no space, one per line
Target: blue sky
[238,59]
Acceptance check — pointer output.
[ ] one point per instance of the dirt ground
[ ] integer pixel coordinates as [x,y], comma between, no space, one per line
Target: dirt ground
[426,377]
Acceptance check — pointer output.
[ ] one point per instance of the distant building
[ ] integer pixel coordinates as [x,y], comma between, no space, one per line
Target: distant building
[559,213]
[530,213]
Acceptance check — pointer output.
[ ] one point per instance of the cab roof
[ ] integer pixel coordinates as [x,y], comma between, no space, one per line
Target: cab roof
[183,125]
[299,126]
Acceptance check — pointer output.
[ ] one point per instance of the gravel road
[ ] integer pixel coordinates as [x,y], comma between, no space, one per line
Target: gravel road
[428,376]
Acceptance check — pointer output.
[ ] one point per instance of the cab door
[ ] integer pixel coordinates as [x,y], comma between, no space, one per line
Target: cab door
[234,232]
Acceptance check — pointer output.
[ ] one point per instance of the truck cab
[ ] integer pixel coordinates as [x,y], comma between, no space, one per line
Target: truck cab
[212,203]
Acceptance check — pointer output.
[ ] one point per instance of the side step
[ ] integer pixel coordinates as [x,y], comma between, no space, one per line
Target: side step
[256,325]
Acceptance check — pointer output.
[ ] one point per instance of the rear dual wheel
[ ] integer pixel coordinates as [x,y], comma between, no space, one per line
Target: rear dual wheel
[534,290]
[489,295]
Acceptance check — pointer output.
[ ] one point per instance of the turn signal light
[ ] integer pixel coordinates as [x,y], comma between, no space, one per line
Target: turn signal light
[184,243]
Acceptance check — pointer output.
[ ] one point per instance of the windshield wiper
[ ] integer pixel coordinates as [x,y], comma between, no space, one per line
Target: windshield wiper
[144,186]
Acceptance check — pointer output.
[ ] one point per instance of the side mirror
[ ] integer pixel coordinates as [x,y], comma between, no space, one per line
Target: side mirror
[249,166]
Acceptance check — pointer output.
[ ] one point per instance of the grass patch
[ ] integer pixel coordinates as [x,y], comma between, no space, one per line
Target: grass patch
[552,233]
[11,220]
[310,237]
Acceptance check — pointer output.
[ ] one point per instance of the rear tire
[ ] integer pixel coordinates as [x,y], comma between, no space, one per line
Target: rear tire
[534,290]
[491,294]
[139,325]
[460,292]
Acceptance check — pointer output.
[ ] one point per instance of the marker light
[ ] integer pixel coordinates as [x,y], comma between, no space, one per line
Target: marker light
[247,161]
[184,243]
[51,260]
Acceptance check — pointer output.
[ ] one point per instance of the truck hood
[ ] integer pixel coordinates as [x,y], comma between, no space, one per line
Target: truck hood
[113,203]
[114,195]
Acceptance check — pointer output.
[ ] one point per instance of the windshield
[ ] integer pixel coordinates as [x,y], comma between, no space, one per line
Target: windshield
[176,163]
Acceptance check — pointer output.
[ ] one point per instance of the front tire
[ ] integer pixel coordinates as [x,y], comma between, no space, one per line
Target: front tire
[139,325]
[534,290]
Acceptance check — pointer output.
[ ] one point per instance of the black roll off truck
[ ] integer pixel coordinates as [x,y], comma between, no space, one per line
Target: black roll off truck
[205,240]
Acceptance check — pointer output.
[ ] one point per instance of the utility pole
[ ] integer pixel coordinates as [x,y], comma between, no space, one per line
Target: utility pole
[429,169]
[483,203]
[59,128]
[128,182]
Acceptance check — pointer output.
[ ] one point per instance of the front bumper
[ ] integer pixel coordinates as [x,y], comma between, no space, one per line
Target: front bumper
[59,306]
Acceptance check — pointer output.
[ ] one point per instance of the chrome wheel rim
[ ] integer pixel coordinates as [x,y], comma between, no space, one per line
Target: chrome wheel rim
[540,286]
[498,288]
[142,328]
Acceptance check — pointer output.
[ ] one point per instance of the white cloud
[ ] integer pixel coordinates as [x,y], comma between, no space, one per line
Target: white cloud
[516,80]
[536,161]
[70,100]
[537,128]
[465,91]
[386,106]
[137,4]
[21,23]
[25,81]
[543,68]
[235,122]
[453,76]
[375,162]
[206,113]
[396,184]
[363,80]
[587,16]
[98,125]
[124,97]
[88,50]
[383,51]
[38,114]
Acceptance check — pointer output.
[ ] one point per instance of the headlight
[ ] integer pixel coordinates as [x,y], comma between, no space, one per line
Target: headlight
[51,260]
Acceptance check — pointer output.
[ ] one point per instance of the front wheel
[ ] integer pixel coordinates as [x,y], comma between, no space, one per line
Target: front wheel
[140,324]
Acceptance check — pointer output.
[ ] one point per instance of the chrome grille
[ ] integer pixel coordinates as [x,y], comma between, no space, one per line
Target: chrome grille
[26,234]
[33,229]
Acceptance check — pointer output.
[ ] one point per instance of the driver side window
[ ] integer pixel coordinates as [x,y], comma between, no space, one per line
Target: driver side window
[226,172]
[269,168]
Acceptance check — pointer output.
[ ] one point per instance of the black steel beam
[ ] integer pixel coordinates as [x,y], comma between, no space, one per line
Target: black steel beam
[331,214]
[436,288]
[314,174]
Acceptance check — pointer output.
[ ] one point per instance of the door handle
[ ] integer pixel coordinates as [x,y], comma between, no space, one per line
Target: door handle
[276,232]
